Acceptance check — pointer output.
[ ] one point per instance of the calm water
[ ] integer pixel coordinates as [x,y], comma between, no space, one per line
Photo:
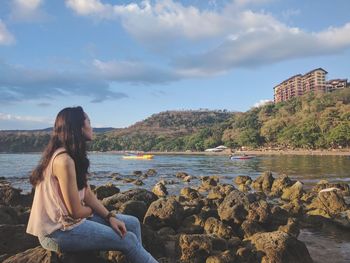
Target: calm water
[323,245]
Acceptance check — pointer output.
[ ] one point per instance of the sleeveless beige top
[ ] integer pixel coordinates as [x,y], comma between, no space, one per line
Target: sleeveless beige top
[49,212]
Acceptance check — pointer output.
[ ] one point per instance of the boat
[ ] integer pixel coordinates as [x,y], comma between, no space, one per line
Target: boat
[138,157]
[242,157]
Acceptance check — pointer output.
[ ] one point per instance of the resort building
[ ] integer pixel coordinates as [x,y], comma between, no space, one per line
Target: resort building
[336,84]
[313,81]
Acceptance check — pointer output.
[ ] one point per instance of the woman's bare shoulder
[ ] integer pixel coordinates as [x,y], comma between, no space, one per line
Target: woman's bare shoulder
[63,161]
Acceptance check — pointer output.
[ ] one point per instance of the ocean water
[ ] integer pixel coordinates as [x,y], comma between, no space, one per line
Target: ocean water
[324,244]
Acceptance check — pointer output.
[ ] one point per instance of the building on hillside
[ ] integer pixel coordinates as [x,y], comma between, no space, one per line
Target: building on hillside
[336,84]
[288,89]
[313,81]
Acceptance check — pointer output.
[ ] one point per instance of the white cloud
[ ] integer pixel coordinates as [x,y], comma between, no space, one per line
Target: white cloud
[134,72]
[215,41]
[11,117]
[27,11]
[6,38]
[29,5]
[9,121]
[262,103]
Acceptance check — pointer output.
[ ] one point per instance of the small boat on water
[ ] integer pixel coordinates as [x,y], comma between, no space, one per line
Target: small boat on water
[138,157]
[242,157]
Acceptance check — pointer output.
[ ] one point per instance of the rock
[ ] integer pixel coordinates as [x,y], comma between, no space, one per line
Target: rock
[138,182]
[343,187]
[166,231]
[263,182]
[243,179]
[181,175]
[327,204]
[8,215]
[279,216]
[189,193]
[224,257]
[34,255]
[38,254]
[14,239]
[343,219]
[134,208]
[209,182]
[151,172]
[246,255]
[137,173]
[160,190]
[191,225]
[244,188]
[104,191]
[279,247]
[279,185]
[9,195]
[218,228]
[152,242]
[294,192]
[116,256]
[294,208]
[234,207]
[131,195]
[195,248]
[259,212]
[164,212]
[187,178]
[292,228]
[250,228]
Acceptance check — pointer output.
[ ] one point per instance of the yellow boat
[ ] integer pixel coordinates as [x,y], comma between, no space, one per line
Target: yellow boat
[138,157]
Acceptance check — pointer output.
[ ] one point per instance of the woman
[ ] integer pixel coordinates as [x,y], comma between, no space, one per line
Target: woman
[66,215]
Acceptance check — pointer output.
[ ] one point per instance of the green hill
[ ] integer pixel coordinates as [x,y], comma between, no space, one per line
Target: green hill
[310,122]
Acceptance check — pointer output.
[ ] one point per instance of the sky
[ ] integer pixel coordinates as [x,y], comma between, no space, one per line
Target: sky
[123,61]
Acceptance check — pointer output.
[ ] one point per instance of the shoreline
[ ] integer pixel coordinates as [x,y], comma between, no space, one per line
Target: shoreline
[344,152]
[263,152]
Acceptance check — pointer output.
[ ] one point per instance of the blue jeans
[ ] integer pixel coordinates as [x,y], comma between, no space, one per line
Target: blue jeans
[96,234]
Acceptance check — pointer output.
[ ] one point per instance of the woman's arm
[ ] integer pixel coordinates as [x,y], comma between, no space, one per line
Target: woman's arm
[96,205]
[64,170]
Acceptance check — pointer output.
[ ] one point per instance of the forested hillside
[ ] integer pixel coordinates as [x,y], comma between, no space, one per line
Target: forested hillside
[310,122]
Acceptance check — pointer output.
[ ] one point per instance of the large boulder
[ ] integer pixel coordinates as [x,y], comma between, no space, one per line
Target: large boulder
[189,193]
[104,191]
[293,192]
[8,215]
[343,188]
[160,190]
[264,182]
[279,247]
[224,257]
[164,212]
[328,204]
[38,254]
[134,208]
[218,228]
[14,239]
[195,248]
[235,207]
[279,184]
[259,212]
[134,194]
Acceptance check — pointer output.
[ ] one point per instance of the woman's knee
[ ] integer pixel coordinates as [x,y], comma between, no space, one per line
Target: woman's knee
[132,222]
[131,242]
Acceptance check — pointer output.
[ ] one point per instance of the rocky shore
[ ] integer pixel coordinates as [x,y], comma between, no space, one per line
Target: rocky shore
[247,221]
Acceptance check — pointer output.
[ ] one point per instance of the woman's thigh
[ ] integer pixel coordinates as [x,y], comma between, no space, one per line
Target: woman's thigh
[92,236]
[131,223]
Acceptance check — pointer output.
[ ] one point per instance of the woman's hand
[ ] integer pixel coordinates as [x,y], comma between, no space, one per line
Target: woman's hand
[118,226]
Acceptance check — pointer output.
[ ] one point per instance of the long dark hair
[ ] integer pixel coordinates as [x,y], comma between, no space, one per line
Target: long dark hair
[67,133]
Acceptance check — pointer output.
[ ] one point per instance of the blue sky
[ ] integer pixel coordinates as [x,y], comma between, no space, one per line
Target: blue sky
[126,60]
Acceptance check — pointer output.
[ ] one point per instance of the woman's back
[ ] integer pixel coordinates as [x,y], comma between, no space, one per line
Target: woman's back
[49,212]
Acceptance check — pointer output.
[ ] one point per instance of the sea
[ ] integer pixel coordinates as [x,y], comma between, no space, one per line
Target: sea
[329,244]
